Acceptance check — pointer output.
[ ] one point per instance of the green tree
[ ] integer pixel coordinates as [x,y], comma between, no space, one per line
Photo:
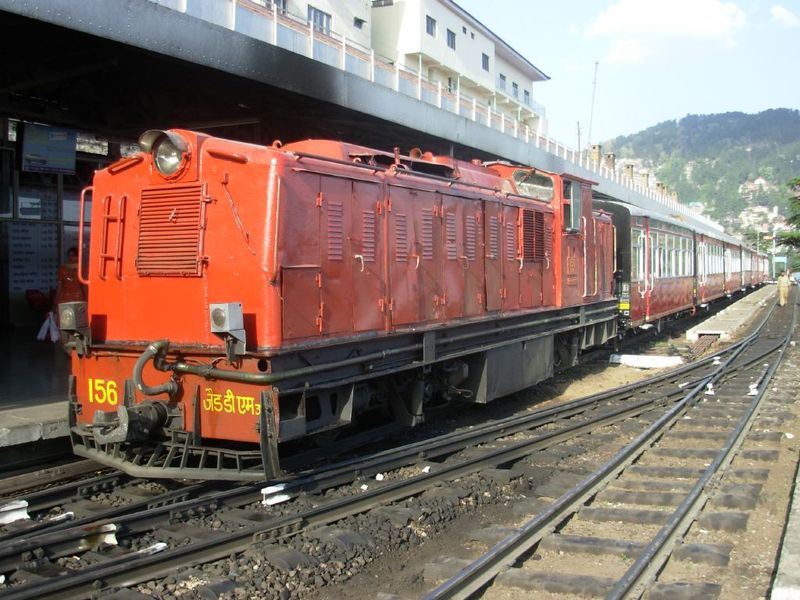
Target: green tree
[792,238]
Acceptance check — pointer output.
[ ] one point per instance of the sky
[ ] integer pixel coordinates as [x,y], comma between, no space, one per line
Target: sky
[657,60]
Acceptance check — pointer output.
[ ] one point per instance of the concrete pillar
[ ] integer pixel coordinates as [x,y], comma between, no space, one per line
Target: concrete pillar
[596,152]
[629,172]
[610,161]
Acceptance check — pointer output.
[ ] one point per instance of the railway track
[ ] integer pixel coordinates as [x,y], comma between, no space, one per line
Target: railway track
[651,505]
[155,541]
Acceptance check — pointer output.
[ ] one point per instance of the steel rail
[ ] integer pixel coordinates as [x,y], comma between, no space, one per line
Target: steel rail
[483,570]
[442,445]
[342,472]
[656,553]
[128,570]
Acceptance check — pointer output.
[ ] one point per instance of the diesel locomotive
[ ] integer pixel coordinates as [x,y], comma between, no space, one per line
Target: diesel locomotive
[242,296]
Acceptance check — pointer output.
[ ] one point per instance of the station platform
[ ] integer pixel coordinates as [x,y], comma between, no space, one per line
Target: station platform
[727,322]
[33,389]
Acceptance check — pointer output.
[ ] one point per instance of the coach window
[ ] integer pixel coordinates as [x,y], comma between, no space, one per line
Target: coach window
[572,206]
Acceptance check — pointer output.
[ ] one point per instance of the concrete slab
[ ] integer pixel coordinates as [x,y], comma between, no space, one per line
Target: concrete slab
[787,580]
[33,389]
[727,322]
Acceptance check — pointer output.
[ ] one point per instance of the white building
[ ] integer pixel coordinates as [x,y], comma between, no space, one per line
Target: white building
[443,43]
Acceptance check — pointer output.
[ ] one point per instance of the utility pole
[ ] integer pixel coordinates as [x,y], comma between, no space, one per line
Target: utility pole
[591,111]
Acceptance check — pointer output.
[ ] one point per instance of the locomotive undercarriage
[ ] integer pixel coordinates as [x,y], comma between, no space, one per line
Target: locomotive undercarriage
[322,389]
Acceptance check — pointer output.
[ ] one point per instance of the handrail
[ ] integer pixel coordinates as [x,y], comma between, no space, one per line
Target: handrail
[84,191]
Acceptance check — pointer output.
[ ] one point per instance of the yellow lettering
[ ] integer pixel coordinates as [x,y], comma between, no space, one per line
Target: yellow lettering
[229,401]
[102,391]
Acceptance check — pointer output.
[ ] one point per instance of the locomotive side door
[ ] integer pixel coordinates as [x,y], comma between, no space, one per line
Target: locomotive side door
[455,261]
[300,257]
[473,261]
[368,294]
[572,247]
[493,236]
[405,259]
[511,261]
[336,278]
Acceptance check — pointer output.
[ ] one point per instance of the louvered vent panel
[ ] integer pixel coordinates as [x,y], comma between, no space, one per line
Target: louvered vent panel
[427,233]
[494,237]
[401,238]
[548,240]
[471,239]
[511,241]
[451,230]
[528,235]
[170,222]
[335,231]
[539,240]
[368,235]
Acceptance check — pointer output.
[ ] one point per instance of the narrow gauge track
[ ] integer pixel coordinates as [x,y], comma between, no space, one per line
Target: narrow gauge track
[675,475]
[31,561]
[39,477]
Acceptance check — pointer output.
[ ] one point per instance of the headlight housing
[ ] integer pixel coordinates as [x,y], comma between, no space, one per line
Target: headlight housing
[168,149]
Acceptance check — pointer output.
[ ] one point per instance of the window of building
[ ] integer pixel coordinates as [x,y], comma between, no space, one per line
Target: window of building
[319,19]
[526,97]
[451,39]
[280,5]
[501,82]
[464,30]
[485,61]
[358,23]
[515,89]
[430,25]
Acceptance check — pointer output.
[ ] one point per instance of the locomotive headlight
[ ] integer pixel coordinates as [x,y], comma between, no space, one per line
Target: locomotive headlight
[167,156]
[168,149]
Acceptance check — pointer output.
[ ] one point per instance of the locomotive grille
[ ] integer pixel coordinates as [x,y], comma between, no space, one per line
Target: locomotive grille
[450,232]
[494,237]
[427,233]
[528,235]
[511,241]
[170,231]
[533,235]
[471,239]
[401,238]
[335,231]
[368,235]
[540,237]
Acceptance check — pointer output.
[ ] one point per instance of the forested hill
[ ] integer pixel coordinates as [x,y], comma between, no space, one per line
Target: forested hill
[726,161]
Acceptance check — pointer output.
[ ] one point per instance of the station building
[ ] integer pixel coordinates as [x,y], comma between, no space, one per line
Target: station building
[380,73]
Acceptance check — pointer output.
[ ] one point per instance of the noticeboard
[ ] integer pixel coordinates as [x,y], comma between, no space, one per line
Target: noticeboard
[48,149]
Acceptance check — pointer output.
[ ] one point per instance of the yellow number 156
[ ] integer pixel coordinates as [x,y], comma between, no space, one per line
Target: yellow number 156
[102,391]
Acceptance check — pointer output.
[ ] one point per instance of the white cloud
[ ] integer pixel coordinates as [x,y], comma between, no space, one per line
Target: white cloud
[784,16]
[636,28]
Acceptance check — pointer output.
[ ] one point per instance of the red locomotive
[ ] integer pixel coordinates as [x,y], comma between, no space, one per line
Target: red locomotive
[242,296]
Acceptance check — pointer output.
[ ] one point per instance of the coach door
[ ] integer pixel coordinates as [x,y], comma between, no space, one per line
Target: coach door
[367,246]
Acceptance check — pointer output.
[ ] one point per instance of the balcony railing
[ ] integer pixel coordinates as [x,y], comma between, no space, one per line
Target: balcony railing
[273,25]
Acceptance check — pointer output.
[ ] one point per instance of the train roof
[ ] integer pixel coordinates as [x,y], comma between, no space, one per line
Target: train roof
[675,220]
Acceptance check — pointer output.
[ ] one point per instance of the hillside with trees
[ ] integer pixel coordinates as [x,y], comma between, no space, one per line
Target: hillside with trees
[728,162]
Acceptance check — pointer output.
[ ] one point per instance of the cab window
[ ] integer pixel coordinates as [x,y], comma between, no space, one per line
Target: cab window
[572,206]
[533,184]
